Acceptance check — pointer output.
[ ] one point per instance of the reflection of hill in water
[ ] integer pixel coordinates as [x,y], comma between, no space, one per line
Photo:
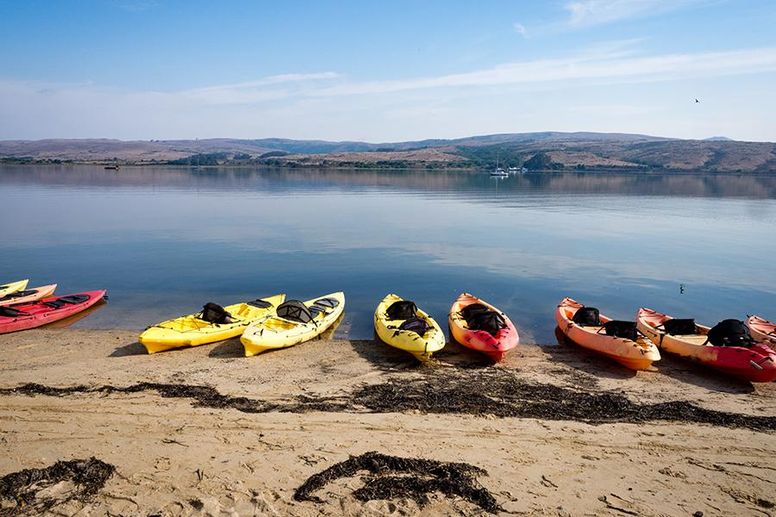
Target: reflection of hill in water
[281,180]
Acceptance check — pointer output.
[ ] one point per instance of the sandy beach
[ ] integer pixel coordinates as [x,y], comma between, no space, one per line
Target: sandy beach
[555,430]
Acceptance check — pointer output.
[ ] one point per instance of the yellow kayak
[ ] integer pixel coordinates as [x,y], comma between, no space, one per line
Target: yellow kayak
[212,324]
[13,287]
[400,324]
[292,323]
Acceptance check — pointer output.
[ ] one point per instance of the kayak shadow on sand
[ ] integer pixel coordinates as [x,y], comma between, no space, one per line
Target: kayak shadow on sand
[390,359]
[383,356]
[75,318]
[585,360]
[229,349]
[685,370]
[456,355]
[134,348]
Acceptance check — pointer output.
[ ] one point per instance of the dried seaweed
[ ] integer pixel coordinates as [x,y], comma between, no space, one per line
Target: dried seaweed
[494,392]
[20,492]
[475,392]
[391,477]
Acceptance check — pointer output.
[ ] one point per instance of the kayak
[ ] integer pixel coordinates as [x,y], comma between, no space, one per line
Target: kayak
[212,324]
[47,310]
[12,287]
[756,363]
[294,322]
[634,351]
[762,330]
[400,324]
[478,325]
[28,295]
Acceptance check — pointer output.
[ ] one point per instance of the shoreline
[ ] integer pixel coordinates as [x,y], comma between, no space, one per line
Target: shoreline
[242,446]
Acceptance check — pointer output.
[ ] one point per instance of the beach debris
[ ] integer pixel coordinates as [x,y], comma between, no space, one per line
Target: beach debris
[498,392]
[392,477]
[609,505]
[34,491]
[495,392]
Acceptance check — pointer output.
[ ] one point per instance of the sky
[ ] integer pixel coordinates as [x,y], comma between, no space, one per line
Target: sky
[386,71]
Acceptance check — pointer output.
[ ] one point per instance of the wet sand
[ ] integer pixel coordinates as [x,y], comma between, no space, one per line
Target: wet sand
[264,425]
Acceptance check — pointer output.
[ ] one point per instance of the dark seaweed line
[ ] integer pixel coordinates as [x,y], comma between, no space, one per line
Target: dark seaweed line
[393,477]
[482,394]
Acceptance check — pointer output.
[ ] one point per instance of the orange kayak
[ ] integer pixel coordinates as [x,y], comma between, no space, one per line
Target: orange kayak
[602,335]
[756,363]
[478,325]
[28,295]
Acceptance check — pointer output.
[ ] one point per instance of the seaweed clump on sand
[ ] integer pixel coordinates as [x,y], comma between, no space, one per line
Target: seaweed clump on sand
[25,492]
[499,393]
[391,477]
[204,396]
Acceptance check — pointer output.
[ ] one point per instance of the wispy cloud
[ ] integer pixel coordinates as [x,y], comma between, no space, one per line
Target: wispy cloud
[587,13]
[520,29]
[618,65]
[263,89]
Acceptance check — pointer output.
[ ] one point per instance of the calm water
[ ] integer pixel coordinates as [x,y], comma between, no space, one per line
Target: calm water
[165,241]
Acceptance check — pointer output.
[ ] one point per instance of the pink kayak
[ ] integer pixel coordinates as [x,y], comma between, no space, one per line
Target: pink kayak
[762,330]
[28,295]
[48,310]
[755,362]
[478,325]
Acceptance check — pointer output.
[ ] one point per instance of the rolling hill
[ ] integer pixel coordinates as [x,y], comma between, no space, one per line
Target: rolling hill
[555,150]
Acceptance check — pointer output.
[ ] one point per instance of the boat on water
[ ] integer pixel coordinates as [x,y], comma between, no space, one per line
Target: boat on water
[499,172]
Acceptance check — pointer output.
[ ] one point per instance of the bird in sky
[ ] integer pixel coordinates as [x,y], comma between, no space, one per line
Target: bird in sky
[697,101]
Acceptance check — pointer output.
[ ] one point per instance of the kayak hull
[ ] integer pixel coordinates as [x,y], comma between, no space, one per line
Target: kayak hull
[28,295]
[754,364]
[422,347]
[497,346]
[12,287]
[636,355]
[39,313]
[274,332]
[189,330]
[762,330]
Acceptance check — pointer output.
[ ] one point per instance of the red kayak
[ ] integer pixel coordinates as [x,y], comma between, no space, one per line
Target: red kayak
[48,310]
[478,325]
[754,362]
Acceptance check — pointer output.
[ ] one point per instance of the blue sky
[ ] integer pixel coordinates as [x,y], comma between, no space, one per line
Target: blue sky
[386,71]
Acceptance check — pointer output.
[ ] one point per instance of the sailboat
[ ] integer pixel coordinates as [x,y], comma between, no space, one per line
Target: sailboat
[498,171]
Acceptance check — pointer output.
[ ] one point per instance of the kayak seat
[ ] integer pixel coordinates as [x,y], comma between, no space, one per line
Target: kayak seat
[10,312]
[74,299]
[18,294]
[315,310]
[328,303]
[259,304]
[54,304]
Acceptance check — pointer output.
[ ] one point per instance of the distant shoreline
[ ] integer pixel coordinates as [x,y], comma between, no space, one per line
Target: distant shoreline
[534,151]
[418,169]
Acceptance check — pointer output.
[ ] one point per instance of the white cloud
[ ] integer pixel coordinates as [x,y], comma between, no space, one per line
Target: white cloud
[586,13]
[615,66]
[519,96]
[520,29]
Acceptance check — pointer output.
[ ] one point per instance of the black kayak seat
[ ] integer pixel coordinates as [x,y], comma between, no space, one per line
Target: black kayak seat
[10,312]
[260,304]
[295,310]
[328,303]
[18,294]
